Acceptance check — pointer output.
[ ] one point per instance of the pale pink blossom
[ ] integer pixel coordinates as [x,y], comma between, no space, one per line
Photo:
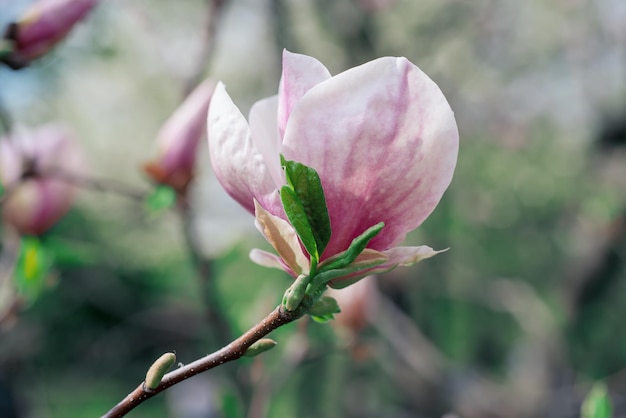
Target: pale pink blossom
[44,24]
[381,136]
[178,139]
[357,304]
[31,167]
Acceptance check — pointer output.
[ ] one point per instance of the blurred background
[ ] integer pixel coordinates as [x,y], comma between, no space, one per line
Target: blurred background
[518,319]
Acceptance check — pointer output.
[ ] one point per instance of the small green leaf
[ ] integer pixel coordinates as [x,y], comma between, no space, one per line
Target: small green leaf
[161,198]
[322,319]
[357,246]
[329,275]
[597,404]
[325,306]
[306,183]
[298,219]
[32,267]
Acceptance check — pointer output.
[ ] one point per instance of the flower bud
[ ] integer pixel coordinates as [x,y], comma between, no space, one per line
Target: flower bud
[178,140]
[261,346]
[42,26]
[158,369]
[35,195]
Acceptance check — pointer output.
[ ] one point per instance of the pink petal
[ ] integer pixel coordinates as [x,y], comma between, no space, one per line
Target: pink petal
[179,137]
[300,74]
[237,162]
[384,142]
[265,136]
[267,259]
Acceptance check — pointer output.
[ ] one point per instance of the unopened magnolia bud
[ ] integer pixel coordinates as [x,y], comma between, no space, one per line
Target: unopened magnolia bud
[44,24]
[261,346]
[32,164]
[178,140]
[295,293]
[158,369]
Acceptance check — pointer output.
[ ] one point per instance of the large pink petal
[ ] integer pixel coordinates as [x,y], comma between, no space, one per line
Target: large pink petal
[300,74]
[237,163]
[384,141]
[265,136]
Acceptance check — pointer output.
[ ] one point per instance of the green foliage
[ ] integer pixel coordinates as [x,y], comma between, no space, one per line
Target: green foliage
[161,198]
[324,309]
[305,205]
[597,404]
[32,268]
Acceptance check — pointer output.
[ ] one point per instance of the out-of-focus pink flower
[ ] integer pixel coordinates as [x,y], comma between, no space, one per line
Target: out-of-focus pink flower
[356,304]
[30,165]
[381,136]
[42,26]
[178,140]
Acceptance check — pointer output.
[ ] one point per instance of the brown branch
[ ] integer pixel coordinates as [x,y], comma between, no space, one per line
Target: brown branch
[279,317]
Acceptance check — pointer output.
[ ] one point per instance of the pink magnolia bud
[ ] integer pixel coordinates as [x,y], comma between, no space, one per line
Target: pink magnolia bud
[42,26]
[30,161]
[178,140]
[381,136]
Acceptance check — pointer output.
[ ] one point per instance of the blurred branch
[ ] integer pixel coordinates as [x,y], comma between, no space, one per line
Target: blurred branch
[100,185]
[406,339]
[204,274]
[9,302]
[215,8]
[232,351]
[5,118]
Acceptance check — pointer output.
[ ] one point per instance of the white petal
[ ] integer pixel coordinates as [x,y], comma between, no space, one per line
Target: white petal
[237,163]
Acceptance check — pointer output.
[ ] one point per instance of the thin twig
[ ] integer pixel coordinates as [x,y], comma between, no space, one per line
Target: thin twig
[100,185]
[279,317]
[208,46]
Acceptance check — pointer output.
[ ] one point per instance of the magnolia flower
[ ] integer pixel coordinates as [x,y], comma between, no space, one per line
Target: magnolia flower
[178,140]
[36,197]
[381,136]
[42,26]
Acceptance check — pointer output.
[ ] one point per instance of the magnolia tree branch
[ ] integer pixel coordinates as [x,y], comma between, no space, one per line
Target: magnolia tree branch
[100,185]
[236,349]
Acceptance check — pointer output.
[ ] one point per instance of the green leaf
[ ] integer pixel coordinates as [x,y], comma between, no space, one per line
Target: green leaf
[325,306]
[305,182]
[597,404]
[329,275]
[298,219]
[357,246]
[32,267]
[161,198]
[322,319]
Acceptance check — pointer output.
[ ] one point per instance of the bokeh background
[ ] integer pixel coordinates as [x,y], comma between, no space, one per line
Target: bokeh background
[518,319]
